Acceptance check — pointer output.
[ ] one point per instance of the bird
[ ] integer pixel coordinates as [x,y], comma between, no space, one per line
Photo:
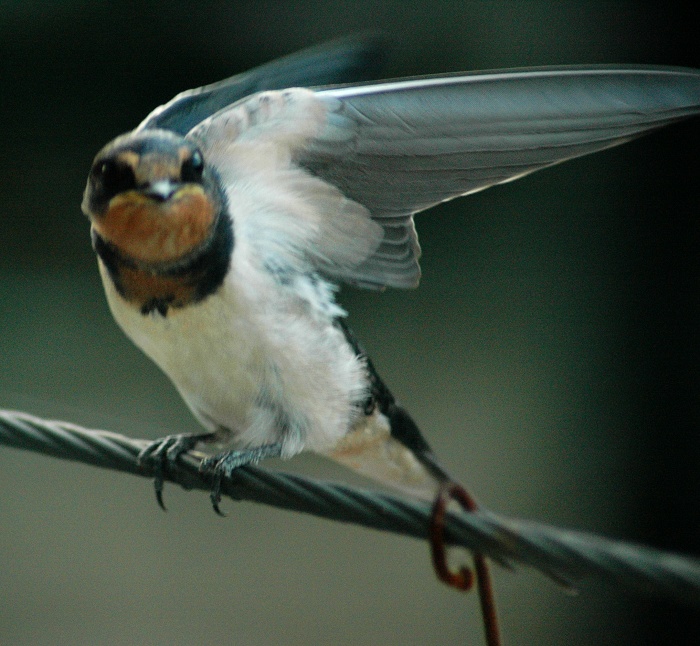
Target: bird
[224,223]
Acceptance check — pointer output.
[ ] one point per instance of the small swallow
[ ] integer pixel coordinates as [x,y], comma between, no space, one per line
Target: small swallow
[225,221]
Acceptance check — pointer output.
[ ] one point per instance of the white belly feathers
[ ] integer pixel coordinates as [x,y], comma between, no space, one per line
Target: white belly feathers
[257,360]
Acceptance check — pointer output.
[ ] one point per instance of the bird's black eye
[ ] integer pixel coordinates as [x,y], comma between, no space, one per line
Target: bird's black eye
[192,168]
[112,177]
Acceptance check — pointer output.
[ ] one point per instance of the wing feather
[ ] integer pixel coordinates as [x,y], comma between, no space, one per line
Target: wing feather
[401,147]
[346,60]
[340,172]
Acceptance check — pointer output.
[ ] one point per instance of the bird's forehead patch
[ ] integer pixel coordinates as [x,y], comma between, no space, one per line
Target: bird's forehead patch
[129,158]
[151,165]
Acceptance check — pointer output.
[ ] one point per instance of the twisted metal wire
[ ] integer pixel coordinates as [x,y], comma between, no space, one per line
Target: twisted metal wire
[565,555]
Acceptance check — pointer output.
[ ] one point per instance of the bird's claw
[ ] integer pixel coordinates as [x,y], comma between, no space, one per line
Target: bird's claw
[164,451]
[223,465]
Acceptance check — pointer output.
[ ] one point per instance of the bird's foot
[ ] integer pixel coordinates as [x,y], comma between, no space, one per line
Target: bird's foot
[166,450]
[224,464]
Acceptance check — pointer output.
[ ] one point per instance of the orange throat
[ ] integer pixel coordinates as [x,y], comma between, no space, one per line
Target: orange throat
[158,232]
[163,255]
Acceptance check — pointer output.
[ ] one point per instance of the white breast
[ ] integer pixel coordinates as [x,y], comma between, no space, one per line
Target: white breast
[260,359]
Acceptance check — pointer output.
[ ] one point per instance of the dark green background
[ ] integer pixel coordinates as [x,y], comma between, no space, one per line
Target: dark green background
[551,354]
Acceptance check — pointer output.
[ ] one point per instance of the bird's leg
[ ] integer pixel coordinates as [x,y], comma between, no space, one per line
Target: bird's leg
[224,464]
[166,450]
[463,579]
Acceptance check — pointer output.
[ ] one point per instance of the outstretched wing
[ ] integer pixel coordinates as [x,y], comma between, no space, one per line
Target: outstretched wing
[401,147]
[330,179]
[346,60]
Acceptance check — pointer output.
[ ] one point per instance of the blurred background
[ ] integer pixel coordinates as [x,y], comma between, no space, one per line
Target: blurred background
[551,355]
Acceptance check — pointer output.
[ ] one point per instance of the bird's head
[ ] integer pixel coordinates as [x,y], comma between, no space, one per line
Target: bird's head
[152,197]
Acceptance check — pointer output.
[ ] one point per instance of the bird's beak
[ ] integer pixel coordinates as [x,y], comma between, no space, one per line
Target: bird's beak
[161,190]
